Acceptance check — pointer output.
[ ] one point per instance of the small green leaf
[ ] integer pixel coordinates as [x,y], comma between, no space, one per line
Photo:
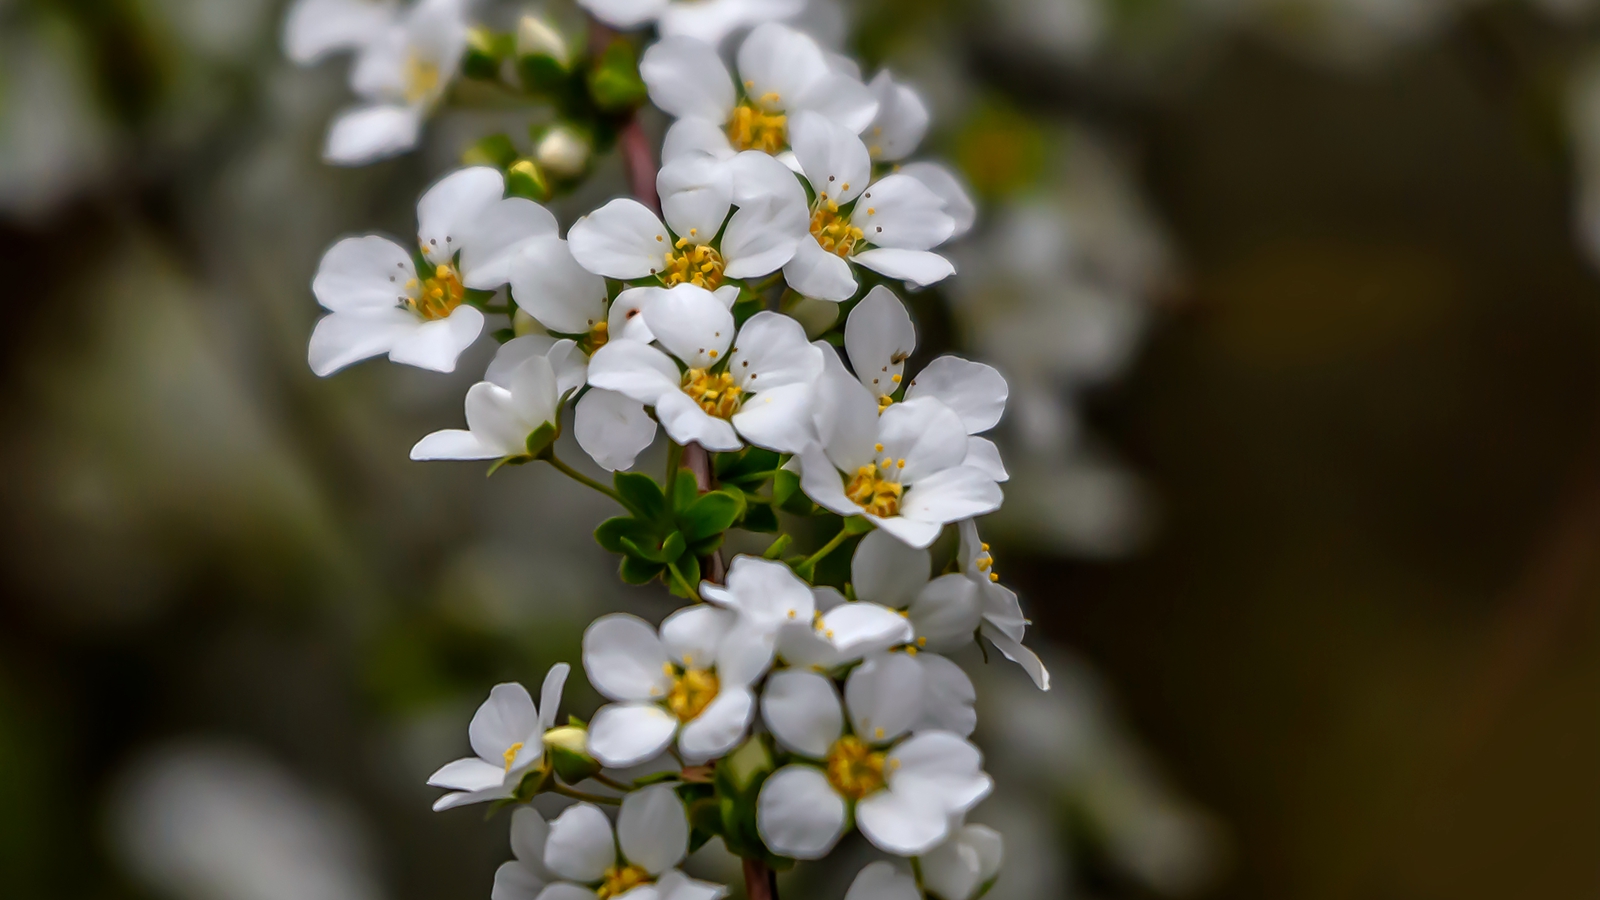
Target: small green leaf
[759,517]
[754,461]
[672,547]
[614,82]
[484,52]
[638,571]
[688,568]
[709,514]
[641,492]
[613,530]
[541,73]
[705,547]
[685,490]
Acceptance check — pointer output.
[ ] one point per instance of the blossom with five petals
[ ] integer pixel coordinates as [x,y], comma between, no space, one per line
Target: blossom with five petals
[379,303]
[507,734]
[962,866]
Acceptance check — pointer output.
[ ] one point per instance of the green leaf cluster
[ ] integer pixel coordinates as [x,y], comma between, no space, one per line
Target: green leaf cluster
[668,531]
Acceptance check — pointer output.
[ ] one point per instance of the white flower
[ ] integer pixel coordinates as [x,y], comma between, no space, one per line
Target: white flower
[879,337]
[781,72]
[901,123]
[579,856]
[959,868]
[765,595]
[315,28]
[890,225]
[902,469]
[880,881]
[380,304]
[904,794]
[841,632]
[507,735]
[522,390]
[625,240]
[403,70]
[691,682]
[705,20]
[1003,622]
[759,391]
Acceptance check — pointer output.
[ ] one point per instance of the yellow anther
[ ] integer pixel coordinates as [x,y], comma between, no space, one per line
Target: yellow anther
[717,394]
[922,642]
[878,447]
[659,239]
[845,186]
[911,651]
[994,576]
[693,232]
[895,378]
[872,211]
[791,613]
[832,229]
[884,402]
[437,297]
[619,880]
[421,79]
[874,493]
[900,464]
[984,547]
[854,769]
[713,354]
[667,668]
[750,128]
[878,733]
[695,264]
[599,335]
[692,692]
[511,754]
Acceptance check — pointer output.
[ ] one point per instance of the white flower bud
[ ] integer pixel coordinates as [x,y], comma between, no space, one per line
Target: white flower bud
[961,867]
[563,152]
[536,37]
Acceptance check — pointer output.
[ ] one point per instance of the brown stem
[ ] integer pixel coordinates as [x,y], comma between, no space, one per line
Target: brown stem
[760,882]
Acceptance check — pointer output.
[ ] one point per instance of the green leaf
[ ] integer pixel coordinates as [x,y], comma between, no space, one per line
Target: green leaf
[754,461]
[688,566]
[484,52]
[673,546]
[685,490]
[710,514]
[704,548]
[641,492]
[495,150]
[613,530]
[637,571]
[614,82]
[759,517]
[787,496]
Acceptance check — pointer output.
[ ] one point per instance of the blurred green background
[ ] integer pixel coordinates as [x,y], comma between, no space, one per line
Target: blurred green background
[1304,338]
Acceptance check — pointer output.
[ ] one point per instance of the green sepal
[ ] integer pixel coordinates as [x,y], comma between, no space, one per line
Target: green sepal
[753,465]
[495,150]
[485,50]
[542,439]
[638,571]
[614,81]
[787,496]
[642,494]
[501,335]
[858,525]
[759,517]
[541,73]
[524,178]
[710,514]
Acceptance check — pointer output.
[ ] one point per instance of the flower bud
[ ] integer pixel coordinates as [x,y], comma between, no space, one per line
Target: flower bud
[523,324]
[563,151]
[569,753]
[525,179]
[536,37]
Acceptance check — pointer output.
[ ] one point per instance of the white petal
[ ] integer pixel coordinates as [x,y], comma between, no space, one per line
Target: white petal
[623,658]
[859,628]
[468,774]
[675,885]
[315,28]
[803,648]
[884,696]
[975,392]
[492,241]
[798,813]
[919,268]
[453,443]
[947,186]
[926,435]
[955,869]
[696,194]
[580,844]
[514,353]
[842,98]
[845,415]
[947,611]
[687,80]
[367,273]
[984,456]
[713,20]
[879,337]
[625,321]
[757,176]
[571,367]
[880,881]
[778,419]
[814,272]
[745,654]
[692,634]
[886,571]
[901,123]
[369,133]
[773,351]
[438,344]
[512,881]
[529,831]
[695,137]
[821,482]
[803,711]
[768,594]
[635,370]
[763,236]
[458,203]
[901,212]
[903,824]
[622,239]
[505,418]
[691,323]
[720,727]
[685,422]
[341,339]
[832,157]
[727,295]
[566,890]
[626,734]
[951,495]
[466,798]
[653,829]
[941,767]
[779,64]
[624,13]
[1022,656]
[550,695]
[548,284]
[910,532]
[507,717]
[947,696]
[612,428]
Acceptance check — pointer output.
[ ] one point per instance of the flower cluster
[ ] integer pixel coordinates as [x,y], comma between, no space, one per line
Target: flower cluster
[792,700]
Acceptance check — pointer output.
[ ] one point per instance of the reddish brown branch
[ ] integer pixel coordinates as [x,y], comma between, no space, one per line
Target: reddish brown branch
[760,882]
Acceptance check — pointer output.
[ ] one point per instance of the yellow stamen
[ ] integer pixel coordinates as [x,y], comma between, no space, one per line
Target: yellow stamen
[692,692]
[874,493]
[854,769]
[438,296]
[422,79]
[620,880]
[696,264]
[511,754]
[750,128]
[717,394]
[832,229]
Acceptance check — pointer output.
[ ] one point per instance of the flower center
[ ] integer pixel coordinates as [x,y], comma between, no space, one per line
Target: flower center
[598,336]
[620,880]
[422,79]
[833,230]
[440,294]
[750,128]
[692,692]
[511,754]
[875,488]
[716,394]
[695,264]
[855,769]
